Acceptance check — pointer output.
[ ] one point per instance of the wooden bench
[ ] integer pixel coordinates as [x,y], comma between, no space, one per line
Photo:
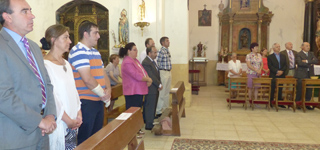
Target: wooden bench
[110,112]
[287,93]
[311,84]
[238,94]
[177,111]
[118,134]
[264,91]
[289,83]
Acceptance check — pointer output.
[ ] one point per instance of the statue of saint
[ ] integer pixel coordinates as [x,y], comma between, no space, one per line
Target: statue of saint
[142,10]
[123,28]
[199,49]
[244,39]
[244,3]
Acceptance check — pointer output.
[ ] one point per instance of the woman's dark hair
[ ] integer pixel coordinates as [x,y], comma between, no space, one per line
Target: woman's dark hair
[253,45]
[263,49]
[124,50]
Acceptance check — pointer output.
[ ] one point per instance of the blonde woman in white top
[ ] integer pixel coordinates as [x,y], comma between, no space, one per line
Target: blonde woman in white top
[69,117]
[234,66]
[235,69]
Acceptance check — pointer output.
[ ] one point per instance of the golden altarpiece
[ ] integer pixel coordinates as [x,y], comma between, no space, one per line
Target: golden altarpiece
[241,23]
[74,13]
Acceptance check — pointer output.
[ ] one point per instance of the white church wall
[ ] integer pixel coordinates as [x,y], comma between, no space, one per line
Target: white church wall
[167,18]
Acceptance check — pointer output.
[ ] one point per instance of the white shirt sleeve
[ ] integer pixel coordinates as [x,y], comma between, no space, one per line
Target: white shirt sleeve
[143,55]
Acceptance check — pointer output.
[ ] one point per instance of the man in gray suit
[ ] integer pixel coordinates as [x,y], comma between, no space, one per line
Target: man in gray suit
[151,99]
[305,61]
[290,59]
[27,106]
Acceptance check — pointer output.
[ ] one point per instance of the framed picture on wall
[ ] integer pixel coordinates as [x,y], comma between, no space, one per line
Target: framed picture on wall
[204,17]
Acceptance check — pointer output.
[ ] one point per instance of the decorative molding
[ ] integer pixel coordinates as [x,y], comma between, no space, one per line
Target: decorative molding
[306,1]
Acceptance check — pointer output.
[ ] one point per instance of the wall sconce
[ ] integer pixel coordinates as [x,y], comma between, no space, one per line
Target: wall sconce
[142,23]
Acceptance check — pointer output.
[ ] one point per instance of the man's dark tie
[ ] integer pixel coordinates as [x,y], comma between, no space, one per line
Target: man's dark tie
[155,64]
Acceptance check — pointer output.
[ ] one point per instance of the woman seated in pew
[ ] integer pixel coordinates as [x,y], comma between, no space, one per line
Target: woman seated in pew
[69,117]
[112,70]
[254,67]
[235,70]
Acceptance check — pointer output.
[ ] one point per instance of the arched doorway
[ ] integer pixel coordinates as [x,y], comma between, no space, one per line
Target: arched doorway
[74,13]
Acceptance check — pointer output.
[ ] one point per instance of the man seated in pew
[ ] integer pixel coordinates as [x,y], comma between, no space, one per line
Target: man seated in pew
[278,65]
[151,99]
[305,61]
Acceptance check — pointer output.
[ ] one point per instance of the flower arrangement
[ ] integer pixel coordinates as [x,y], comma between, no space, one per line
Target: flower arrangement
[194,48]
[223,52]
[205,47]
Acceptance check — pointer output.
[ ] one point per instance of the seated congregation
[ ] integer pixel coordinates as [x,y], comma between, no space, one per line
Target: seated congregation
[281,79]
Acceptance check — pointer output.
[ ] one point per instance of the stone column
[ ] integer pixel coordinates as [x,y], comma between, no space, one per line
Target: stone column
[268,36]
[259,29]
[220,34]
[230,31]
[310,24]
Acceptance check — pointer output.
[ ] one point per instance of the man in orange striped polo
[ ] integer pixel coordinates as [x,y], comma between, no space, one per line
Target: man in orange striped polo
[93,86]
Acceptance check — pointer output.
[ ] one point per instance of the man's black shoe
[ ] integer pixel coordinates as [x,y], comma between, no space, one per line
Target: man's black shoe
[310,108]
[157,116]
[282,106]
[148,128]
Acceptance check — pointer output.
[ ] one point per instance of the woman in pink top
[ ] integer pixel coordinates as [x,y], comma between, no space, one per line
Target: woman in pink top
[135,79]
[265,69]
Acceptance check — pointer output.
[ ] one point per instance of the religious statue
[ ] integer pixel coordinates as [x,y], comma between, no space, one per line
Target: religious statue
[199,49]
[244,3]
[223,53]
[142,10]
[221,6]
[123,28]
[244,39]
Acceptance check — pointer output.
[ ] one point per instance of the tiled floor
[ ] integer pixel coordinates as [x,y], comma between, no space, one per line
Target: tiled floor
[209,118]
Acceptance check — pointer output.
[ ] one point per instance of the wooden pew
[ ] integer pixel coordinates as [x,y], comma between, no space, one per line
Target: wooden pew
[310,84]
[263,85]
[289,83]
[178,107]
[118,134]
[177,111]
[110,112]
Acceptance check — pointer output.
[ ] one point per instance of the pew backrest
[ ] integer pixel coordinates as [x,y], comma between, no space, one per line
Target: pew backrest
[117,134]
